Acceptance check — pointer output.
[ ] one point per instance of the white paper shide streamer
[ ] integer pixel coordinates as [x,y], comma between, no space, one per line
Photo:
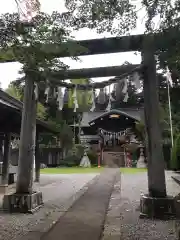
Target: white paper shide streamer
[46,93]
[126,97]
[168,77]
[125,88]
[93,107]
[101,96]
[36,91]
[112,99]
[109,101]
[75,99]
[60,98]
[136,80]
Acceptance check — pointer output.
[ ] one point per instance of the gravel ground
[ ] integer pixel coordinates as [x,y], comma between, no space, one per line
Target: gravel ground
[59,193]
[122,221]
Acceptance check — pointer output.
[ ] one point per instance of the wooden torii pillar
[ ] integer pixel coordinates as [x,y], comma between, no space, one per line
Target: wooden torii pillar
[156,203]
[26,199]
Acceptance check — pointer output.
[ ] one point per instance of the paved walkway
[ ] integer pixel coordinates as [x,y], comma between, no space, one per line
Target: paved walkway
[85,220]
[59,193]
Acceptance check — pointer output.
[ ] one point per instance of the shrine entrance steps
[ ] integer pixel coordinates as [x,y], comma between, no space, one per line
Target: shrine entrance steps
[113,159]
[85,219]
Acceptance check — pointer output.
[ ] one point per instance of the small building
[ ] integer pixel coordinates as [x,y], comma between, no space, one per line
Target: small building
[109,127]
[10,123]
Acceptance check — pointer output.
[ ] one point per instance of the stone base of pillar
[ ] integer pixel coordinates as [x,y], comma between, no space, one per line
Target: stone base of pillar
[160,208]
[3,188]
[22,203]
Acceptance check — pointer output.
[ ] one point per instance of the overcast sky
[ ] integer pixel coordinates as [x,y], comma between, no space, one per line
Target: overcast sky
[9,71]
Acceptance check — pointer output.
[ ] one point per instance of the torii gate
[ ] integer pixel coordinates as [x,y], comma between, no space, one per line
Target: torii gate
[156,202]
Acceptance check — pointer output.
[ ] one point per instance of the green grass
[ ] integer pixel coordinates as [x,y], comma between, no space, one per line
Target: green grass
[70,170]
[133,170]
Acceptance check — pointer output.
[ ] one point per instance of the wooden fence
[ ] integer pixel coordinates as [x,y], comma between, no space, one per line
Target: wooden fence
[52,157]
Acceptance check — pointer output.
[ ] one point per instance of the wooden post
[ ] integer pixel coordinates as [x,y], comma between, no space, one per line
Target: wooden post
[37,160]
[25,200]
[6,158]
[156,174]
[1,147]
[27,140]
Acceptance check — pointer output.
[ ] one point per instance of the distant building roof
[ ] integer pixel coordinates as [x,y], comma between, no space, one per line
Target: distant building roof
[12,103]
[134,113]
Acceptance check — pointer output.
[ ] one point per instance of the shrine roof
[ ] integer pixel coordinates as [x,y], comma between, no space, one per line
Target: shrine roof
[134,113]
[89,116]
[117,119]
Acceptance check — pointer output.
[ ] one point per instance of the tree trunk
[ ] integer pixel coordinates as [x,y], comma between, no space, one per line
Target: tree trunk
[27,140]
[156,174]
[6,158]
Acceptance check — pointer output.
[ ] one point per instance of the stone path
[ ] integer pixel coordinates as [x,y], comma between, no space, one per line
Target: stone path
[59,193]
[122,221]
[85,220]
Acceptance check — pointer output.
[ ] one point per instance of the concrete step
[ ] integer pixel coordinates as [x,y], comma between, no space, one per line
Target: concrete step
[113,159]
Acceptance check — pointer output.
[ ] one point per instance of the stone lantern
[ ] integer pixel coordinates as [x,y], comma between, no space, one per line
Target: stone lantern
[141,161]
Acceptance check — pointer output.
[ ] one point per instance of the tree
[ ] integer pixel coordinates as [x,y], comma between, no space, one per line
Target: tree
[17,92]
[66,136]
[117,17]
[175,154]
[24,41]
[84,97]
[167,12]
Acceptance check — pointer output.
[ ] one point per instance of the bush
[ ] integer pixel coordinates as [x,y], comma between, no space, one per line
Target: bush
[71,161]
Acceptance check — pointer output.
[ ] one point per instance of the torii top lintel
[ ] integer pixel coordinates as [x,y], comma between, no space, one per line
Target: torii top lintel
[104,45]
